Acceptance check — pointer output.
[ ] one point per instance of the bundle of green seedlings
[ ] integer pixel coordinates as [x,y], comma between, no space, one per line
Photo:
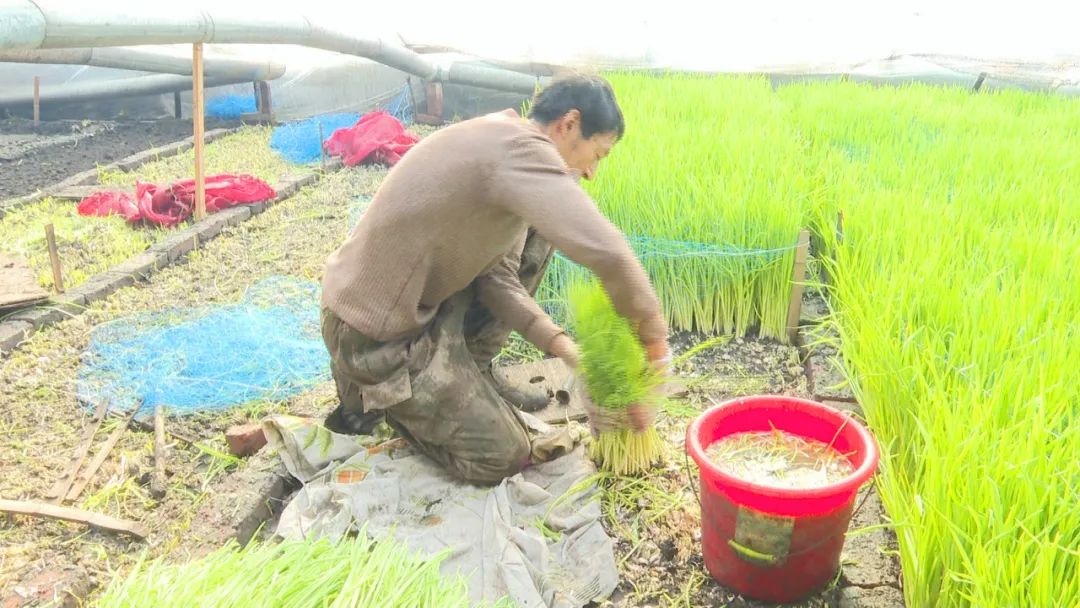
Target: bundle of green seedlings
[953,300]
[712,188]
[617,374]
[300,574]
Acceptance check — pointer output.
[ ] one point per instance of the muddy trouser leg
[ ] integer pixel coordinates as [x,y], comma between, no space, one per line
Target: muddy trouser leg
[454,414]
[484,334]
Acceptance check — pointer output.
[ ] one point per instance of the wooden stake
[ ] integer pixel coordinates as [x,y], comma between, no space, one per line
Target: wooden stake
[322,151]
[62,485]
[176,105]
[266,100]
[798,278]
[978,82]
[37,101]
[157,484]
[198,119]
[54,259]
[36,509]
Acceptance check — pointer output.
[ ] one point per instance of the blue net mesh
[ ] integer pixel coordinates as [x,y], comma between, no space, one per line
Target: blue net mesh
[230,106]
[298,141]
[266,347]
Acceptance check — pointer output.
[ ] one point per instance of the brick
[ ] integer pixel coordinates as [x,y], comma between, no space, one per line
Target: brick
[210,227]
[246,439]
[40,316]
[12,333]
[256,208]
[874,597]
[235,215]
[103,285]
[143,265]
[238,504]
[73,303]
[178,245]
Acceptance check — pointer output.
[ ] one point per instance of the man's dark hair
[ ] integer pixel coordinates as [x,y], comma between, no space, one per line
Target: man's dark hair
[590,95]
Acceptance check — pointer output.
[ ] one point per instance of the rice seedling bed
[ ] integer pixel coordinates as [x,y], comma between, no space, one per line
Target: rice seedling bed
[89,245]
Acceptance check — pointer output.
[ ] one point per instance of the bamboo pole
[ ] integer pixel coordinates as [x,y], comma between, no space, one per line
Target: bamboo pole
[54,259]
[37,101]
[798,278]
[198,118]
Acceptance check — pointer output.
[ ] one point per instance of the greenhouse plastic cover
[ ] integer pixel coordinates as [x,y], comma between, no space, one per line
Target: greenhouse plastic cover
[1031,44]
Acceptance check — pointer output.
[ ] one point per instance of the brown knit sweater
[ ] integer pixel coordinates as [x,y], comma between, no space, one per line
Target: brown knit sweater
[454,211]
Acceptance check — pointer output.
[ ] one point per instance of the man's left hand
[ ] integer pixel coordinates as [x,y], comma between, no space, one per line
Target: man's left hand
[563,347]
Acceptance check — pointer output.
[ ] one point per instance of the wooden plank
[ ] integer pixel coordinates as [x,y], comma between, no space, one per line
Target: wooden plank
[36,509]
[54,258]
[798,280]
[552,375]
[198,118]
[18,285]
[62,485]
[84,478]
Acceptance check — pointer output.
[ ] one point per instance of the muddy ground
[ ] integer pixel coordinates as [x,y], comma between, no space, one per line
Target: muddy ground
[32,158]
[655,519]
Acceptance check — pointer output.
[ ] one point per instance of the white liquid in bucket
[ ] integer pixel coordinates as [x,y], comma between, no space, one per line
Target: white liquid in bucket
[779,459]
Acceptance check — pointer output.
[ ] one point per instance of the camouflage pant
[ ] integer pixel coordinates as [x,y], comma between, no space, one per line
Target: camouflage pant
[434,389]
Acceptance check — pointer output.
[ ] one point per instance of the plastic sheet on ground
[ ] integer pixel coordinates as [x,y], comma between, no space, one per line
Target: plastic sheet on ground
[536,537]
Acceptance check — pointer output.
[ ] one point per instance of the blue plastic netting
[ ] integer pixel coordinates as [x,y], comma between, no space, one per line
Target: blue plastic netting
[266,347]
[298,141]
[230,106]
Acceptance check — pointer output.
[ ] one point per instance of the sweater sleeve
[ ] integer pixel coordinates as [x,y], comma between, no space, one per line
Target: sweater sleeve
[532,181]
[500,289]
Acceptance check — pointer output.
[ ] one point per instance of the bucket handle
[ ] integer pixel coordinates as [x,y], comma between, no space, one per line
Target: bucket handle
[754,557]
[757,557]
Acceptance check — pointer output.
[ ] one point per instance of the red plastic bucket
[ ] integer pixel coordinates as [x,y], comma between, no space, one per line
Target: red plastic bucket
[774,544]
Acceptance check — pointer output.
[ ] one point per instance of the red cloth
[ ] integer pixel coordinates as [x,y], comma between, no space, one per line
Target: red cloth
[170,205]
[377,136]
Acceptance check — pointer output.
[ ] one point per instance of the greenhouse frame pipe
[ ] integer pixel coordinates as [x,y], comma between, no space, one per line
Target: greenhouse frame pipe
[45,24]
[147,60]
[106,89]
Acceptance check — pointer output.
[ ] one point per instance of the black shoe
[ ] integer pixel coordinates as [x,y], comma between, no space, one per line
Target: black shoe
[526,398]
[347,422]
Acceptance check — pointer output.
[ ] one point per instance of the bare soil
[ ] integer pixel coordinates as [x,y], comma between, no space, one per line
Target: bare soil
[32,158]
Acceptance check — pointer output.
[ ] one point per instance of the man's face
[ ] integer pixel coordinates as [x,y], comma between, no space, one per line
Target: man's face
[581,154]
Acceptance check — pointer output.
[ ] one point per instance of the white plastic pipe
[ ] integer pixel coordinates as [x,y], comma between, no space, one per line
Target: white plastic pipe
[148,60]
[108,89]
[45,24]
